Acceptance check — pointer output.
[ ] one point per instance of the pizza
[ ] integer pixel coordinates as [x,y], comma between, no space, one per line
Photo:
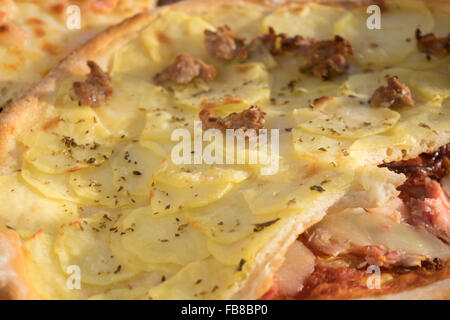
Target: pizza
[115,183]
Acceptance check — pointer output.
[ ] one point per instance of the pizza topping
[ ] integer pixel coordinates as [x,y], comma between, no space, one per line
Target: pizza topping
[96,89]
[431,44]
[223,45]
[298,265]
[330,281]
[428,204]
[435,164]
[185,69]
[395,94]
[374,239]
[278,44]
[380,256]
[251,118]
[328,58]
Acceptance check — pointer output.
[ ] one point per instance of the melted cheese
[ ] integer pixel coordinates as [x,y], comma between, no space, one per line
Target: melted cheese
[363,229]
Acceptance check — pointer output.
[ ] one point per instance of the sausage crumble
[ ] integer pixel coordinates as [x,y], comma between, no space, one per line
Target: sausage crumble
[395,94]
[251,118]
[223,45]
[185,69]
[431,44]
[328,58]
[96,89]
[278,44]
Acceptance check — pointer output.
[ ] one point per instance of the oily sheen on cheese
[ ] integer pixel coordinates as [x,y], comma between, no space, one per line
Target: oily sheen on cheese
[140,226]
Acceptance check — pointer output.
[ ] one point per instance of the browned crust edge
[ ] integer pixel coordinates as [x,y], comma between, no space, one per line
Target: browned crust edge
[22,113]
[14,282]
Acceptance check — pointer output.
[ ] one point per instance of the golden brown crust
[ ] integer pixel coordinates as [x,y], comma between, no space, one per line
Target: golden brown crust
[14,283]
[439,290]
[22,113]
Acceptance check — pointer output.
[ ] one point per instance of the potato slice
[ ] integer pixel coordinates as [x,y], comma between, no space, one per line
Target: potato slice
[345,118]
[135,289]
[290,88]
[124,112]
[70,140]
[236,83]
[85,243]
[244,22]
[419,60]
[309,186]
[205,279]
[166,199]
[317,148]
[161,122]
[54,186]
[228,220]
[133,260]
[165,39]
[361,86]
[312,20]
[431,85]
[95,187]
[132,169]
[241,254]
[162,149]
[46,276]
[371,46]
[133,59]
[161,240]
[188,175]
[31,211]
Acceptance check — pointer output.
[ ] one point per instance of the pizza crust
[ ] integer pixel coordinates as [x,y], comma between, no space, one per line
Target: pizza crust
[439,290]
[14,283]
[23,113]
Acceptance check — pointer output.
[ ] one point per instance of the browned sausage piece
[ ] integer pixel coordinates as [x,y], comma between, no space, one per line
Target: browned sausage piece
[328,58]
[223,45]
[395,94]
[278,44]
[251,118]
[185,69]
[431,44]
[95,89]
